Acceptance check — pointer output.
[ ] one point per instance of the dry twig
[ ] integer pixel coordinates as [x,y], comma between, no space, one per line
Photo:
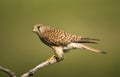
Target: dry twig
[30,72]
[38,67]
[9,72]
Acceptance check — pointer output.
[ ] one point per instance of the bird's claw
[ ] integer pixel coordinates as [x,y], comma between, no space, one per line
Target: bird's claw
[55,58]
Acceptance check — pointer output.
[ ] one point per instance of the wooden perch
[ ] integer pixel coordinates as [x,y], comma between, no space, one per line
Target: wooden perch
[9,72]
[38,67]
[32,71]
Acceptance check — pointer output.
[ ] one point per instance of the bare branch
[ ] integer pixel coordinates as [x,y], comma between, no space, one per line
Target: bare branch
[9,72]
[32,71]
[38,67]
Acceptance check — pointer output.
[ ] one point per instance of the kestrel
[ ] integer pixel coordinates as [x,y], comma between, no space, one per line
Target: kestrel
[61,41]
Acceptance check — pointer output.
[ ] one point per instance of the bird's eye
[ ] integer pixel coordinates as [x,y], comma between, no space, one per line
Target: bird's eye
[38,27]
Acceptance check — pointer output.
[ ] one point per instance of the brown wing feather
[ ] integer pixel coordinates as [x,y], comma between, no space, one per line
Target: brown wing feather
[57,37]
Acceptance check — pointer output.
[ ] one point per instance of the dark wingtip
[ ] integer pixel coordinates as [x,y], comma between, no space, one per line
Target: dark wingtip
[89,42]
[95,39]
[94,42]
[90,39]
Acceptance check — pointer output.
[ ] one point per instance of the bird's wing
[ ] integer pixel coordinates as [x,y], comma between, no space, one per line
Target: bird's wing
[57,37]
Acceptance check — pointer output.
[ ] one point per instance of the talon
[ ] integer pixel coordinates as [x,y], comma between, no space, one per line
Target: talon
[55,58]
[59,59]
[51,58]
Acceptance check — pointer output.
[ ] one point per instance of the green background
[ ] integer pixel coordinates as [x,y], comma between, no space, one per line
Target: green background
[21,49]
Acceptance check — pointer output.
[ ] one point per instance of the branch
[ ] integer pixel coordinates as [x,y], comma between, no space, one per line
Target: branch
[32,71]
[9,72]
[38,67]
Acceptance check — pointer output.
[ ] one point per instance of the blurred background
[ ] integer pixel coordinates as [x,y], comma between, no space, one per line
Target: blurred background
[21,49]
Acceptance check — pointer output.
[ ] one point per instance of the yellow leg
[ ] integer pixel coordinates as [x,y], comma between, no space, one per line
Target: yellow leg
[54,57]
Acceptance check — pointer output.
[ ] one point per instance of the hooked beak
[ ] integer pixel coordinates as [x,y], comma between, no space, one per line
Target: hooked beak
[34,30]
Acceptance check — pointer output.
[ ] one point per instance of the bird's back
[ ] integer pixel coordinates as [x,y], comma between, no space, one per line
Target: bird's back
[58,37]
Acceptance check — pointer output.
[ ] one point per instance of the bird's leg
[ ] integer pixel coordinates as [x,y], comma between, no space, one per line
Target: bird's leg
[52,58]
[58,53]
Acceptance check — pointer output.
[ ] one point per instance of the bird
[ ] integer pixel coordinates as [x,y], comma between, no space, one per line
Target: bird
[62,42]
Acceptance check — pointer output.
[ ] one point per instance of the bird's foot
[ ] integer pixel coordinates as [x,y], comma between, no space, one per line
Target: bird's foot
[59,59]
[54,57]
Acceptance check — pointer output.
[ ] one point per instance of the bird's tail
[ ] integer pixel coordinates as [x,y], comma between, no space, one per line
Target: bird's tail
[92,49]
[88,40]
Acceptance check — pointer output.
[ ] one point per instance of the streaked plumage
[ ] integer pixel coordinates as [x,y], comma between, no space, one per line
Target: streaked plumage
[62,41]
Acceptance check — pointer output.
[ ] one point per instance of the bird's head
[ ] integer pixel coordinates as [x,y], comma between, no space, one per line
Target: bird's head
[38,28]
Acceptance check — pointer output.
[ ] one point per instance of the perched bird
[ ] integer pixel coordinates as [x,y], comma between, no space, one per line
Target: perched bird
[61,41]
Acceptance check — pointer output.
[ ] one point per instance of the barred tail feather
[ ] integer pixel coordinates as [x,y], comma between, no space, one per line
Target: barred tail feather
[88,40]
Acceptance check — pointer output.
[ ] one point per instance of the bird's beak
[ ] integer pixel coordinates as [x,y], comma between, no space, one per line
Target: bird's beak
[34,30]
